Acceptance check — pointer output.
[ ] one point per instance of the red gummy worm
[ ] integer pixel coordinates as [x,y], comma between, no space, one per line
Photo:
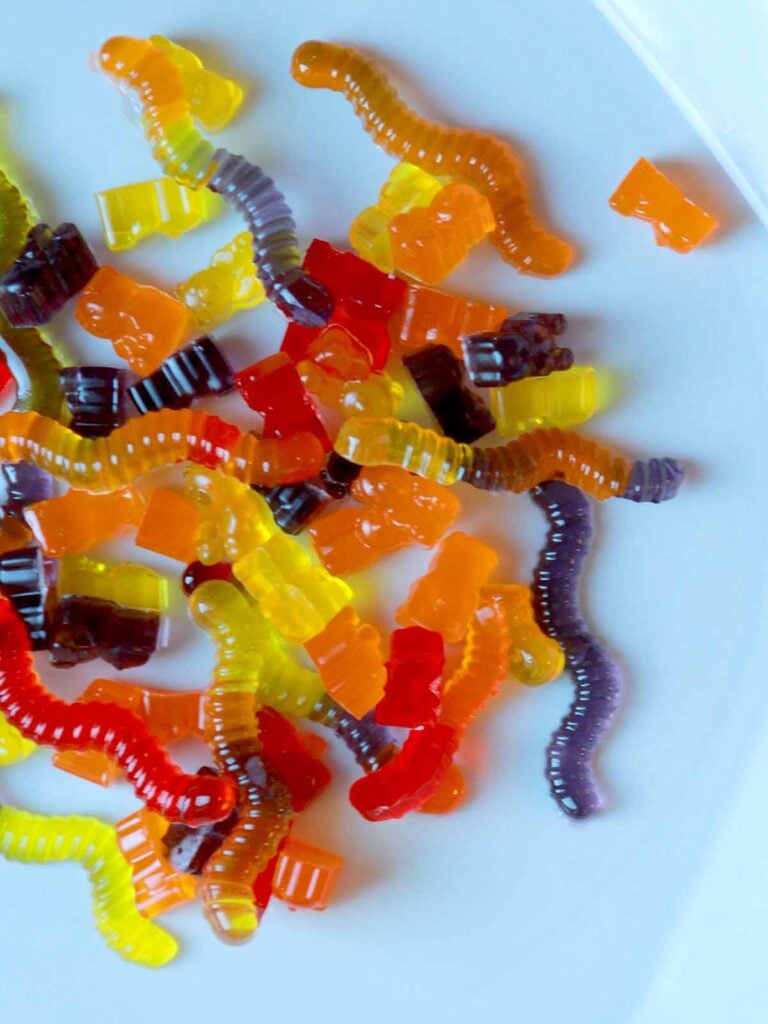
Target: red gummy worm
[407,781]
[115,731]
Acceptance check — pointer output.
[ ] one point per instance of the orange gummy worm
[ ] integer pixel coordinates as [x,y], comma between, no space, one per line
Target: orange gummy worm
[479,157]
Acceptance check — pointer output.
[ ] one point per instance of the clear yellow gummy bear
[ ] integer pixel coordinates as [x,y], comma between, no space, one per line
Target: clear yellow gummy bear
[406,188]
[130,213]
[213,99]
[377,395]
[562,399]
[227,284]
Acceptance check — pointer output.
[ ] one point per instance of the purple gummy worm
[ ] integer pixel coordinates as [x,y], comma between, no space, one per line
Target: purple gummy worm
[275,245]
[557,608]
[371,744]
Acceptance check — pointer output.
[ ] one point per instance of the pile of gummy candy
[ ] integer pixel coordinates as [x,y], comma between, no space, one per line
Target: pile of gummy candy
[223,835]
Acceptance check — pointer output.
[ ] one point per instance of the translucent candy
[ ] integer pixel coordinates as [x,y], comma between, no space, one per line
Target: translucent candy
[232,518]
[406,188]
[414,679]
[560,400]
[430,242]
[76,521]
[52,267]
[134,586]
[39,839]
[24,581]
[41,392]
[349,657]
[229,283]
[96,399]
[169,526]
[213,99]
[524,346]
[306,876]
[441,381]
[143,323]
[15,221]
[479,157]
[131,213]
[427,315]
[435,601]
[198,370]
[648,194]
[377,395]
[158,887]
[273,388]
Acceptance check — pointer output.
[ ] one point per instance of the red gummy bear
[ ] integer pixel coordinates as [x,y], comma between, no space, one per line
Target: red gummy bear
[414,678]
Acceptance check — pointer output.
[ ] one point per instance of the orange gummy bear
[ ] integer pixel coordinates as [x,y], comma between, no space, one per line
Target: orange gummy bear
[350,660]
[77,520]
[158,886]
[398,509]
[306,876]
[143,323]
[445,599]
[428,242]
[649,195]
[169,715]
[169,526]
[429,316]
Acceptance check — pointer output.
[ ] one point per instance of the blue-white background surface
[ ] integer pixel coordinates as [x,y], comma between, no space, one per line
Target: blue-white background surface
[653,912]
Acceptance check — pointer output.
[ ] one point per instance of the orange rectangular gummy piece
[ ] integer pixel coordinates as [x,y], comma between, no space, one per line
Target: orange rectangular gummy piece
[158,886]
[169,526]
[429,316]
[306,876]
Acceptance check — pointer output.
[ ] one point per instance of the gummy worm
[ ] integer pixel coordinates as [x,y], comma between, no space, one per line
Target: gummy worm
[186,155]
[479,157]
[232,730]
[115,731]
[38,839]
[517,466]
[372,745]
[13,746]
[557,608]
[42,365]
[152,441]
[15,221]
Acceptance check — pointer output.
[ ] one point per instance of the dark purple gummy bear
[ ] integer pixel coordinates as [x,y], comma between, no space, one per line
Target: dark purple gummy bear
[83,628]
[338,474]
[439,377]
[52,267]
[25,484]
[523,346]
[294,505]
[195,371]
[24,581]
[555,593]
[96,398]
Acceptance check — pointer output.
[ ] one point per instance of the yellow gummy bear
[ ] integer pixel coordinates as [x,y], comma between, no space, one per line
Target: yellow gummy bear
[406,188]
[40,839]
[228,284]
[249,650]
[213,99]
[130,213]
[562,399]
[233,518]
[298,596]
[127,584]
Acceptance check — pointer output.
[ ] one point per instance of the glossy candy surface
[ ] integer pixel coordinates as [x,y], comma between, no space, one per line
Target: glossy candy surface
[77,520]
[51,721]
[39,839]
[396,510]
[349,657]
[198,370]
[158,886]
[131,213]
[479,157]
[562,400]
[441,381]
[435,602]
[524,346]
[273,388]
[96,399]
[143,323]
[15,220]
[428,243]
[229,283]
[169,525]
[52,267]
[648,194]
[414,679]
[213,99]
[24,581]
[427,315]
[305,876]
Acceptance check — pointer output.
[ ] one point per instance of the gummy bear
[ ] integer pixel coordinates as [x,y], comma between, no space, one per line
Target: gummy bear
[131,213]
[350,661]
[272,387]
[229,283]
[414,679]
[77,520]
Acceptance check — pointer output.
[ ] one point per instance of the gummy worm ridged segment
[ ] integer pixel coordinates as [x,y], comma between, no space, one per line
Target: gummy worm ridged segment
[557,607]
[273,230]
[42,365]
[654,480]
[112,730]
[37,839]
[15,221]
[371,744]
[535,457]
[232,730]
[479,157]
[374,441]
[13,746]
[151,442]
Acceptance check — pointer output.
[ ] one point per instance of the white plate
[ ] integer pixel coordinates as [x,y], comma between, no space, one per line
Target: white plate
[505,910]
